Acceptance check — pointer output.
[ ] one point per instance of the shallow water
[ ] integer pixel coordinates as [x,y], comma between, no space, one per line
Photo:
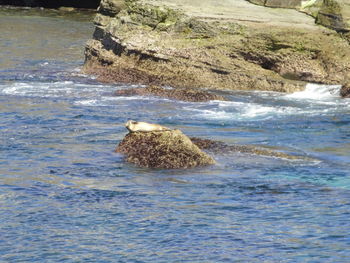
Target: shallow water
[65,196]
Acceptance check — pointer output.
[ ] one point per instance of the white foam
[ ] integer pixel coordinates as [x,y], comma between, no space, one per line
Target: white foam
[317,92]
[214,115]
[35,89]
[231,110]
[54,89]
[87,102]
[259,106]
[255,110]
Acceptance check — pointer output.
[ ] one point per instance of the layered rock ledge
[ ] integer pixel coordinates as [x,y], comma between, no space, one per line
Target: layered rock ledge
[206,44]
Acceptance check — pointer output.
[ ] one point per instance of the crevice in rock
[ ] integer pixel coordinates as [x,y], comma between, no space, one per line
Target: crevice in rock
[219,71]
[263,61]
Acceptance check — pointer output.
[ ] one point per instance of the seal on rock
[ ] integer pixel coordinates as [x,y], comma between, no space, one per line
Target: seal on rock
[162,149]
[137,126]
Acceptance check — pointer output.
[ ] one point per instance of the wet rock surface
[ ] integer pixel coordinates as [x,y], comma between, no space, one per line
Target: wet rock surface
[190,95]
[162,149]
[345,91]
[233,46]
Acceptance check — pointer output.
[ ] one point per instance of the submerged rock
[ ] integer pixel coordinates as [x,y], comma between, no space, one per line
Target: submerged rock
[218,147]
[191,95]
[162,149]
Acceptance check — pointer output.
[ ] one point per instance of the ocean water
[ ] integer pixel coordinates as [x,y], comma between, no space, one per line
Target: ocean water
[65,196]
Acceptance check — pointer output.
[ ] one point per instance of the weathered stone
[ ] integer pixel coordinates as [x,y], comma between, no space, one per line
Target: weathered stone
[111,7]
[171,43]
[162,149]
[283,3]
[311,7]
[177,94]
[330,15]
[278,3]
[334,14]
[258,2]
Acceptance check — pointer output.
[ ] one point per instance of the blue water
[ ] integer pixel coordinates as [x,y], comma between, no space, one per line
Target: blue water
[65,196]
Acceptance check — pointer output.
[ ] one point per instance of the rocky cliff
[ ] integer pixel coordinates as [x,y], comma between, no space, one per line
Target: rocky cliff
[226,45]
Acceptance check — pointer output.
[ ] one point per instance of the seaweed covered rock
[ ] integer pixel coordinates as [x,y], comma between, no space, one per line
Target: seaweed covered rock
[191,95]
[162,149]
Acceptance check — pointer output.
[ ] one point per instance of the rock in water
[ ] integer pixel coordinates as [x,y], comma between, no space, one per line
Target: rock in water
[192,95]
[223,148]
[162,149]
[345,91]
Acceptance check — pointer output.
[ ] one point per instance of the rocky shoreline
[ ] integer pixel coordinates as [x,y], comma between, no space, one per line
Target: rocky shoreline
[232,46]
